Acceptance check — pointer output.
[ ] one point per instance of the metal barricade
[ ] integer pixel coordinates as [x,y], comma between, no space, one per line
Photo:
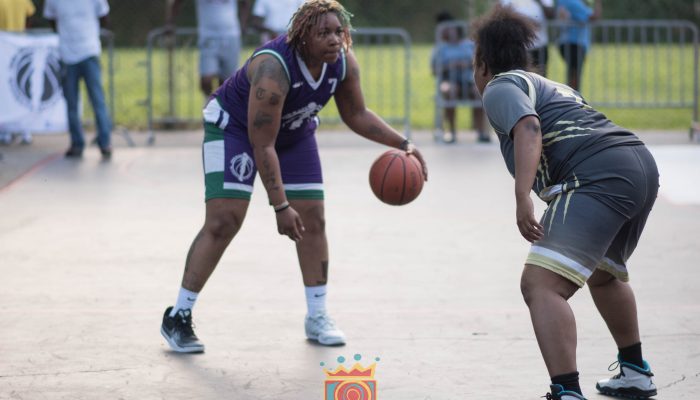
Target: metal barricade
[384,57]
[107,38]
[631,64]
[451,65]
[635,64]
[174,99]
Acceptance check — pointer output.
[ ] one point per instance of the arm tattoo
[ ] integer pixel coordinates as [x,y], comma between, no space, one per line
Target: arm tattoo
[324,273]
[376,132]
[274,99]
[268,176]
[272,69]
[261,119]
[260,93]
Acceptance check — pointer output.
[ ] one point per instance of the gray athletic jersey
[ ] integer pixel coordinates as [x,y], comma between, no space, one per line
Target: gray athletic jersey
[216,18]
[572,131]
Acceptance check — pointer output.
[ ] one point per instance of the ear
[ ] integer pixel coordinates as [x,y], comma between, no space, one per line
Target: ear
[482,68]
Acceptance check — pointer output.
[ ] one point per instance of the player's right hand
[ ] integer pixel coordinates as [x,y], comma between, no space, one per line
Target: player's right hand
[289,223]
[412,149]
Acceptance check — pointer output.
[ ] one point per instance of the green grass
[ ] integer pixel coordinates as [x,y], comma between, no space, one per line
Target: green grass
[607,77]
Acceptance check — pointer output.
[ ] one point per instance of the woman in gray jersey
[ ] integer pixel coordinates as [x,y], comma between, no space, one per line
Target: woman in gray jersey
[599,182]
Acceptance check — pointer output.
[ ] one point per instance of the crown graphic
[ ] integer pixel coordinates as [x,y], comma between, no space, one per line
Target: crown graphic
[357,372]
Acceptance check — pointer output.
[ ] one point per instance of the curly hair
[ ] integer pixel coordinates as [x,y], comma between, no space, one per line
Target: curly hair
[502,38]
[308,15]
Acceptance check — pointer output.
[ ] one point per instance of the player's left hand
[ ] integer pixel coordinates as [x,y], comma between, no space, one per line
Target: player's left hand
[529,227]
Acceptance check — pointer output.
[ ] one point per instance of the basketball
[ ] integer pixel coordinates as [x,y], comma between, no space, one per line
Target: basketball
[396,178]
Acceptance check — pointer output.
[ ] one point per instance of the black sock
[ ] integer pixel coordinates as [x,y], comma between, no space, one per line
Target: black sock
[632,355]
[568,381]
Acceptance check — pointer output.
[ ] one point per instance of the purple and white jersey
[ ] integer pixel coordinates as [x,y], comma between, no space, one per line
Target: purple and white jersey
[306,96]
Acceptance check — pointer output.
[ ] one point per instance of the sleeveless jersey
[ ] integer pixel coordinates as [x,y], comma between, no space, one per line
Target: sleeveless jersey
[306,97]
[572,131]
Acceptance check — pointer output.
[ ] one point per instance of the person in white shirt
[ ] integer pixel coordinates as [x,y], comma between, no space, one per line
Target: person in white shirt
[271,17]
[219,26]
[539,11]
[78,25]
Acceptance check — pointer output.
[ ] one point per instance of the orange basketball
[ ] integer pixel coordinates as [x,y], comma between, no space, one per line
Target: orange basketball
[396,178]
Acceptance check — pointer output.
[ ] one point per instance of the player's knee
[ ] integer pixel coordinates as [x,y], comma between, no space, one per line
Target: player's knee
[315,221]
[532,286]
[222,227]
[600,279]
[528,288]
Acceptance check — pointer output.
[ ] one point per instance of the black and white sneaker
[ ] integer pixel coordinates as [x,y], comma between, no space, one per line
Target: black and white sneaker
[632,382]
[179,333]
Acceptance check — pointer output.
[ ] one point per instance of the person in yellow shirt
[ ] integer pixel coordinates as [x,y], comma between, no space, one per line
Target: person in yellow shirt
[14,16]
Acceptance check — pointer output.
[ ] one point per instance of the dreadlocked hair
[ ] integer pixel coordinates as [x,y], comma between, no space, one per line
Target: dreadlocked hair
[502,38]
[308,15]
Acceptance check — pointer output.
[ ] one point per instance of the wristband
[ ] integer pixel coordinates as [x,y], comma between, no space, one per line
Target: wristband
[281,207]
[404,145]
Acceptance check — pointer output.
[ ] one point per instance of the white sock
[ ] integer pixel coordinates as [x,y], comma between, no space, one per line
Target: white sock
[185,301]
[315,299]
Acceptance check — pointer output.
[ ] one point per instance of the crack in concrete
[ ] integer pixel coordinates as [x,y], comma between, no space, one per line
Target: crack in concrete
[683,378]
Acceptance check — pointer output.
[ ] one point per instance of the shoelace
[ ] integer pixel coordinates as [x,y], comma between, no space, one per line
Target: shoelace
[613,367]
[322,321]
[185,322]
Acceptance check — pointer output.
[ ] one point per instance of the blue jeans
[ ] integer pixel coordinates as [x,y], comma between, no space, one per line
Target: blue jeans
[89,70]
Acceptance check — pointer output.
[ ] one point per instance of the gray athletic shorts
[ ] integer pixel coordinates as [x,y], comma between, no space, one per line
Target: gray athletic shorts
[219,56]
[597,219]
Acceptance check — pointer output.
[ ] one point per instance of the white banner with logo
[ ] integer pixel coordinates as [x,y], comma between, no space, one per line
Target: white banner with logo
[31,98]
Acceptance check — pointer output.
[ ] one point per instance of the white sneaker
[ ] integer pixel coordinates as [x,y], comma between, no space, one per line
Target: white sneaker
[632,382]
[558,393]
[26,138]
[321,328]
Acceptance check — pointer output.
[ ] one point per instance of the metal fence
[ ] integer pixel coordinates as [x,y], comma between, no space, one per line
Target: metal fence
[174,100]
[631,64]
[384,57]
[451,65]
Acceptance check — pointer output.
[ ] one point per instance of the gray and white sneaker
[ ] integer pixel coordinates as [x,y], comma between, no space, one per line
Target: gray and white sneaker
[632,382]
[179,333]
[321,328]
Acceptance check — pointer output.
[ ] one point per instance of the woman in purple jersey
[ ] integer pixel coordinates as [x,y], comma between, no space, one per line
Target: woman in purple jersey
[599,182]
[263,118]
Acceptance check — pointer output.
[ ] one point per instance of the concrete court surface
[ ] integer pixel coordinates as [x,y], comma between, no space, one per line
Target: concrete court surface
[91,253]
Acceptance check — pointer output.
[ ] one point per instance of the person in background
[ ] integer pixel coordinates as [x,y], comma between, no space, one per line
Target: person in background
[14,17]
[263,119]
[600,183]
[219,26]
[78,25]
[575,36]
[451,64]
[271,17]
[539,11]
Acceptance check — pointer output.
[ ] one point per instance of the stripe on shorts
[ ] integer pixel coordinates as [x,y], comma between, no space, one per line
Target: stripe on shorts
[614,269]
[304,191]
[213,154]
[559,264]
[215,115]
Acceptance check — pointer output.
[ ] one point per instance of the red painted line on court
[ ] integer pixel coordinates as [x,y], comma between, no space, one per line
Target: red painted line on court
[34,168]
